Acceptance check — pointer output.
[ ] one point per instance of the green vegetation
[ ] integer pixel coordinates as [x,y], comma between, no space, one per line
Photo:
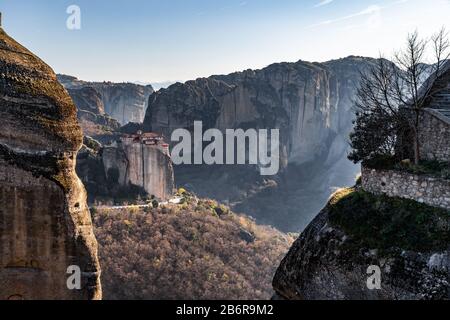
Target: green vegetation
[213,207]
[440,169]
[388,122]
[92,144]
[384,223]
[155,203]
[359,180]
[436,168]
[381,162]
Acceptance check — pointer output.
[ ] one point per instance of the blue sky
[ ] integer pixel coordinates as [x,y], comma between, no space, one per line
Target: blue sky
[164,40]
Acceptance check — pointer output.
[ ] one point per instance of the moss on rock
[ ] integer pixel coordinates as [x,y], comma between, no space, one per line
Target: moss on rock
[381,222]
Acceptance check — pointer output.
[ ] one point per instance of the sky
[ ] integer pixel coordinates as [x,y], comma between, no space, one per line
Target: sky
[152,41]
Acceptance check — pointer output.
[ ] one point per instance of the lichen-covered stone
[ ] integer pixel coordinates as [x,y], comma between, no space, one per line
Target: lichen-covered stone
[407,241]
[45,225]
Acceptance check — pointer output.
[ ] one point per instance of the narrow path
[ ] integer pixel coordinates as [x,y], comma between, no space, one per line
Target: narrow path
[174,200]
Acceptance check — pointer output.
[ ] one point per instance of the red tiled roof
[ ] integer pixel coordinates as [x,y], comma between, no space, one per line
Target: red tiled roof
[151,135]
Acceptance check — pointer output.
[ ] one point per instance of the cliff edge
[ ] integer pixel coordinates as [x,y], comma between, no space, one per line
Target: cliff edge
[311,105]
[124,102]
[336,256]
[45,225]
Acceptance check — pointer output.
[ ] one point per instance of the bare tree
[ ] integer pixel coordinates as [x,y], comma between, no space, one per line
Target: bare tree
[377,113]
[392,96]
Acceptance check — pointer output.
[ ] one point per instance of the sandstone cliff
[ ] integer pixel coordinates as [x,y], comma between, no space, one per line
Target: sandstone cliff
[121,173]
[311,104]
[125,102]
[45,225]
[137,164]
[407,241]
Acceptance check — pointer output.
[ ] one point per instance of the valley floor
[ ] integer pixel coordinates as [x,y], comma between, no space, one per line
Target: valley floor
[194,250]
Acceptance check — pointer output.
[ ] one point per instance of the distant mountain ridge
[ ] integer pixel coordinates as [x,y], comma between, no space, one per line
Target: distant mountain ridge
[125,102]
[91,112]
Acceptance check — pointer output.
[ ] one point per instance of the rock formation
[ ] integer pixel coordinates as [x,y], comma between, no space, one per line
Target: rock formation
[335,256]
[125,102]
[91,171]
[45,225]
[388,238]
[123,171]
[135,163]
[311,104]
[91,112]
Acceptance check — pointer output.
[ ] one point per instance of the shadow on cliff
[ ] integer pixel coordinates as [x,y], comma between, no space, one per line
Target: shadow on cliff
[288,201]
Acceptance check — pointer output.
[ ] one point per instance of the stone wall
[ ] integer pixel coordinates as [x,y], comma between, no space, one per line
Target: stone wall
[434,136]
[425,189]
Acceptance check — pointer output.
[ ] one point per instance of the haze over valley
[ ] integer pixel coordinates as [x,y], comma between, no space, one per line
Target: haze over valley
[228,149]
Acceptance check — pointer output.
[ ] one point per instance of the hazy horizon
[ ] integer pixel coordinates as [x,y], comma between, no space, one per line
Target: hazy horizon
[164,84]
[165,42]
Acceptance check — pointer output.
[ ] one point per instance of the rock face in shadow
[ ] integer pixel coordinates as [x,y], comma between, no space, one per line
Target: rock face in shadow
[311,104]
[45,225]
[91,112]
[124,102]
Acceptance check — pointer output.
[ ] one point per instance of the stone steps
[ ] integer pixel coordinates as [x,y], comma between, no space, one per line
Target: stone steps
[445,112]
[440,107]
[441,99]
[437,100]
[442,93]
[441,102]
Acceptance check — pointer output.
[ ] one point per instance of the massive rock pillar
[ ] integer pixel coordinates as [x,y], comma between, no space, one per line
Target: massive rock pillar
[45,225]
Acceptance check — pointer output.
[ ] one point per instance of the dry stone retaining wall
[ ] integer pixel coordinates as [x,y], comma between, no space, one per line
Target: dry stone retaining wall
[424,189]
